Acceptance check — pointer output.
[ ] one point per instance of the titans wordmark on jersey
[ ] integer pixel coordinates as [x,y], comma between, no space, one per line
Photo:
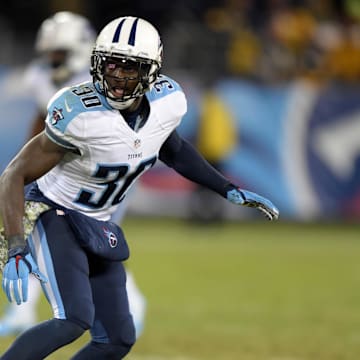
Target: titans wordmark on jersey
[105,154]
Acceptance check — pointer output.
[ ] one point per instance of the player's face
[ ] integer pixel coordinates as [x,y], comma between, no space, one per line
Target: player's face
[121,76]
[56,58]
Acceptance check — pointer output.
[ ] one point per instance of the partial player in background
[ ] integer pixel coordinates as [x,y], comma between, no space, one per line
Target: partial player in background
[63,45]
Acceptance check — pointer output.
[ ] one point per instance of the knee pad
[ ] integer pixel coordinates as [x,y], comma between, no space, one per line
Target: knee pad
[120,333]
[81,315]
[126,333]
[65,329]
[113,351]
[113,348]
[96,351]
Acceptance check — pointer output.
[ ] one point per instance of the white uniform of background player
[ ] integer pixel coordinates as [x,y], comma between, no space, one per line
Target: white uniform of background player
[64,42]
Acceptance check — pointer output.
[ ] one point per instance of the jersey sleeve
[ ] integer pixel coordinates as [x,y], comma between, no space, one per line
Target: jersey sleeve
[63,123]
[168,94]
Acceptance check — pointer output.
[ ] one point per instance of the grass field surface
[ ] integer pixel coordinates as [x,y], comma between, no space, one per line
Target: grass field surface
[249,291]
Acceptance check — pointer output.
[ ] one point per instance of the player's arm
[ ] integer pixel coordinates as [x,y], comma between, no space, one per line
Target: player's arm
[180,155]
[36,158]
[37,124]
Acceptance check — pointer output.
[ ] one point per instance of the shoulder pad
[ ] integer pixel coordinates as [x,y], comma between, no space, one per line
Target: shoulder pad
[69,102]
[163,86]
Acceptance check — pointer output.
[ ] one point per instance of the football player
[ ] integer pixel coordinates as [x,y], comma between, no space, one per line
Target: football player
[64,42]
[100,136]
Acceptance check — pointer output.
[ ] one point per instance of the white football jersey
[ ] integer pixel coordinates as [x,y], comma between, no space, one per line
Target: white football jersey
[38,82]
[107,155]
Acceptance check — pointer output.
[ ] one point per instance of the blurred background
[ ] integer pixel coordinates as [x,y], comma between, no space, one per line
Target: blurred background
[273,91]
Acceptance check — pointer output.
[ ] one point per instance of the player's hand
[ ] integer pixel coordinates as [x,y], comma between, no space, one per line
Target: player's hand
[250,199]
[16,274]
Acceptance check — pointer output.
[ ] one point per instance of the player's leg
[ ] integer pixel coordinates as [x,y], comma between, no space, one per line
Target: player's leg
[18,318]
[137,300]
[113,331]
[68,289]
[137,303]
[35,343]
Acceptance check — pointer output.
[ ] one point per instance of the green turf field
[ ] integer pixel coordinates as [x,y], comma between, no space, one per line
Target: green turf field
[253,291]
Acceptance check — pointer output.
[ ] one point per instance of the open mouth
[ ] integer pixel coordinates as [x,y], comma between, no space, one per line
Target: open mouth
[117,91]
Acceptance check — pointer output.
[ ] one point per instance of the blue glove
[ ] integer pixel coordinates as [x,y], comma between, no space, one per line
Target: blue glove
[16,273]
[250,199]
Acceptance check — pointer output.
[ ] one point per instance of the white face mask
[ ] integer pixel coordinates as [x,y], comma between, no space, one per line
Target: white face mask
[120,105]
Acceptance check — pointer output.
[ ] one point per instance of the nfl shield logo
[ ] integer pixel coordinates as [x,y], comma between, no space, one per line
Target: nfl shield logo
[137,143]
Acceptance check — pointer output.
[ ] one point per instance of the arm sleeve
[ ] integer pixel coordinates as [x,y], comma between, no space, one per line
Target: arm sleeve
[180,155]
[63,127]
